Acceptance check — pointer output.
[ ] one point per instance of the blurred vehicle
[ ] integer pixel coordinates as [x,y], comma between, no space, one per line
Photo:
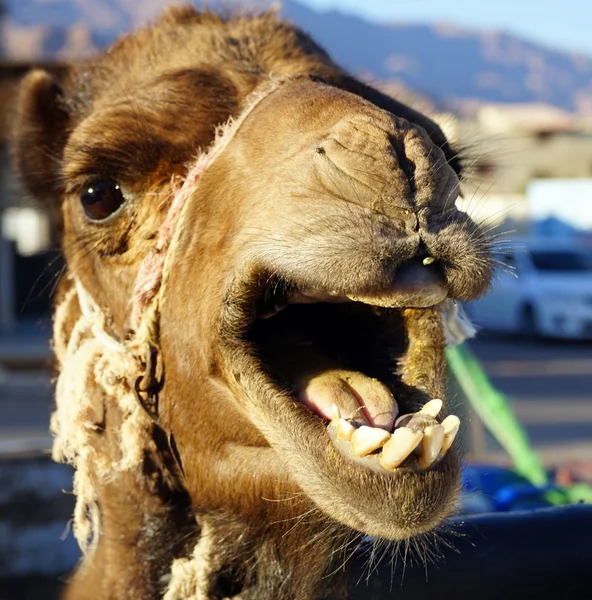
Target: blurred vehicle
[544,289]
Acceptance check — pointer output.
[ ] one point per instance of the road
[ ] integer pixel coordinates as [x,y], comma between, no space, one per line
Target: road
[549,384]
[26,402]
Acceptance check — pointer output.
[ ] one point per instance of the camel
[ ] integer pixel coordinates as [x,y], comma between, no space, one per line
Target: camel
[264,260]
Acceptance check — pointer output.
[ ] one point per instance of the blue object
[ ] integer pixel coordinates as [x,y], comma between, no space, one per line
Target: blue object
[489,488]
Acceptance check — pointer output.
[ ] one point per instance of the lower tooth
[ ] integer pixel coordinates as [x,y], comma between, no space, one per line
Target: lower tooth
[399,447]
[431,444]
[451,425]
[335,412]
[368,439]
[432,408]
[344,429]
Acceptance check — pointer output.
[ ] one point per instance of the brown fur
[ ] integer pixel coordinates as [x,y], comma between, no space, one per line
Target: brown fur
[327,183]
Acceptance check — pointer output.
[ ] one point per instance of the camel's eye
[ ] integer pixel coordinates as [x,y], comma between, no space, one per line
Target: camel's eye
[101,198]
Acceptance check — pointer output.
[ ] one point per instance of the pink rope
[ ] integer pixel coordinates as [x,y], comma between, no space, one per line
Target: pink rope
[151,273]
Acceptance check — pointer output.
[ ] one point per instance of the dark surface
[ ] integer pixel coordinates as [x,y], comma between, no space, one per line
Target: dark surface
[35,538]
[32,588]
[538,554]
[515,556]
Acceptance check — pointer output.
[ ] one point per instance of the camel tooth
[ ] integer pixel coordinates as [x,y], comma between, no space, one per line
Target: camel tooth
[402,443]
[344,430]
[335,412]
[432,408]
[368,439]
[431,444]
[451,426]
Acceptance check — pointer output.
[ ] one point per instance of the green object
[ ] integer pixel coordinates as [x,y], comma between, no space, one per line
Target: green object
[495,412]
[579,492]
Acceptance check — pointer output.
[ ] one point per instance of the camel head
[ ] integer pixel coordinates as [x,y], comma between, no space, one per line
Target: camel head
[293,236]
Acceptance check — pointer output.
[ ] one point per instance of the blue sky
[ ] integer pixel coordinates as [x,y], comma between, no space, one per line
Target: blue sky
[563,24]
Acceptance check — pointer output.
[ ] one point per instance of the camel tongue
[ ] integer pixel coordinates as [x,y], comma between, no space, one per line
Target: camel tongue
[356,396]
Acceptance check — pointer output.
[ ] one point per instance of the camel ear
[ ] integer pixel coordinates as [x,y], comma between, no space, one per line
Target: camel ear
[39,135]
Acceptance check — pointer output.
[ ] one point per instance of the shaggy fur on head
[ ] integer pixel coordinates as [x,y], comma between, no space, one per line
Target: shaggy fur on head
[210,291]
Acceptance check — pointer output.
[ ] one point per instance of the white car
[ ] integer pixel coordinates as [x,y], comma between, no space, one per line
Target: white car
[544,289]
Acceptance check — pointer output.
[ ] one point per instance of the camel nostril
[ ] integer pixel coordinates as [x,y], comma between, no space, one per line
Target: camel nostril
[418,271]
[420,282]
[405,162]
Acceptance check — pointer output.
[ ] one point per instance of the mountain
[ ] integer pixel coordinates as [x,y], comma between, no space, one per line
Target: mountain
[454,67]
[451,63]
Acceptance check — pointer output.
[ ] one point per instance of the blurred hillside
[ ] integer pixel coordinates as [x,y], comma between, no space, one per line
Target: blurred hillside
[451,68]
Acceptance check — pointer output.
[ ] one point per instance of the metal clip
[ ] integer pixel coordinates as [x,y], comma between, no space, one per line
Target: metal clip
[147,386]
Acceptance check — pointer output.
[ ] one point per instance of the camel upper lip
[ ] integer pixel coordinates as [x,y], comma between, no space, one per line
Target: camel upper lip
[417,283]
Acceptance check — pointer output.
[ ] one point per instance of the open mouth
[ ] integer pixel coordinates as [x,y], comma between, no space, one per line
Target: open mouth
[347,360]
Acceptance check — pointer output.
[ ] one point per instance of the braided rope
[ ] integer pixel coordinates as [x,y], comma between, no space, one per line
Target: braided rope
[191,577]
[93,365]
